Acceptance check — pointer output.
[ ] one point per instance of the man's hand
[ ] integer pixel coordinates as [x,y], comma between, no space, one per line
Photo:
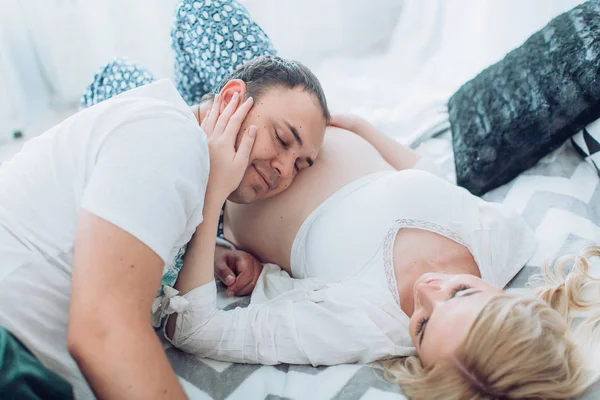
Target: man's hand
[237,269]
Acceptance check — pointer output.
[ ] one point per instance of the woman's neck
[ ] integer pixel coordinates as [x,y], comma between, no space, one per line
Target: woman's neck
[417,251]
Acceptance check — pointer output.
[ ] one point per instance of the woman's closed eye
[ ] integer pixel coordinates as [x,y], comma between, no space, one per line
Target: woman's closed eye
[458,289]
[420,325]
[423,321]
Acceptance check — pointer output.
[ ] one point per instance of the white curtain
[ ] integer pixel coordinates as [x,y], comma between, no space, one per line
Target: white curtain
[452,41]
[55,46]
[23,93]
[50,50]
[313,30]
[73,38]
[437,45]
[9,115]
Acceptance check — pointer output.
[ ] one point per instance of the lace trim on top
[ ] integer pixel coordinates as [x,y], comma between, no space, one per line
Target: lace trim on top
[390,238]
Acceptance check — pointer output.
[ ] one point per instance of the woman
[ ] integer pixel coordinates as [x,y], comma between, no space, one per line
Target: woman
[388,261]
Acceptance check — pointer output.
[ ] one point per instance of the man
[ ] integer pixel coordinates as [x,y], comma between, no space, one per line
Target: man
[211,40]
[95,209]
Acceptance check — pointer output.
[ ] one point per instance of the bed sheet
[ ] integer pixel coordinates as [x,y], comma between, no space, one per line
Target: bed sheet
[560,200]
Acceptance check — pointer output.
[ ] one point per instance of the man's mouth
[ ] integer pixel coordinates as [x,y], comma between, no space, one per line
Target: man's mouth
[267,182]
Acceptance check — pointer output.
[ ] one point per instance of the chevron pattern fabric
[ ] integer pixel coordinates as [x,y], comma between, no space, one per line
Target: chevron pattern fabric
[560,199]
[587,143]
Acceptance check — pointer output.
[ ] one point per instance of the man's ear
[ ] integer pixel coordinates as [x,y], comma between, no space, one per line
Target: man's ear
[231,87]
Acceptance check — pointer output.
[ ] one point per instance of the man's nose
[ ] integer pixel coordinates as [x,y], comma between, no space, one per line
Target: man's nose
[284,167]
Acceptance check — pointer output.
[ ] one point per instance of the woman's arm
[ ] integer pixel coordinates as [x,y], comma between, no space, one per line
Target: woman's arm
[200,253]
[311,324]
[201,249]
[397,155]
[227,167]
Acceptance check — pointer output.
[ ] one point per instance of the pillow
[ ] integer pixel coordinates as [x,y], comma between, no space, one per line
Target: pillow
[525,106]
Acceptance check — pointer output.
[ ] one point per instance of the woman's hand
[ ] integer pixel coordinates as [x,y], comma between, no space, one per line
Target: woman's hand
[350,122]
[237,269]
[229,154]
[397,155]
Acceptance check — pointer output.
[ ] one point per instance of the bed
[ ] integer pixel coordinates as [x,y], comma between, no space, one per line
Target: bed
[559,198]
[404,92]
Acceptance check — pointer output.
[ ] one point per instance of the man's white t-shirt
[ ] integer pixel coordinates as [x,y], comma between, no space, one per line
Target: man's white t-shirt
[139,160]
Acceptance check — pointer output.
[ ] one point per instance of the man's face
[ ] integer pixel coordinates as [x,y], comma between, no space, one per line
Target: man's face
[290,132]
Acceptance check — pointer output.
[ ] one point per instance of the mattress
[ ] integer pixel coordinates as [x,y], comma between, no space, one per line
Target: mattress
[560,200]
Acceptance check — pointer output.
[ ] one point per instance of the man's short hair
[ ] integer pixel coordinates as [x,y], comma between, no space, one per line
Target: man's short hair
[269,71]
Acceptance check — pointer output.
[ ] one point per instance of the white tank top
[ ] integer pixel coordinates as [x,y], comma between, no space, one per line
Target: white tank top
[352,233]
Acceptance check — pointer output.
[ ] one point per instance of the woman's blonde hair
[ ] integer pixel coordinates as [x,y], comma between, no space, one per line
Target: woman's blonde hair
[520,346]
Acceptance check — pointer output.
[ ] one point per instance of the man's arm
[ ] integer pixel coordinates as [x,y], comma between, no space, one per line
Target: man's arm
[397,155]
[115,277]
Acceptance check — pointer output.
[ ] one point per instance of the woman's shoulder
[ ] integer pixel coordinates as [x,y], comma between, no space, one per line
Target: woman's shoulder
[507,239]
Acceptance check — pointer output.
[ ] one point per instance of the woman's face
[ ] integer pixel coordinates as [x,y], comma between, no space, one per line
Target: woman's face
[445,307]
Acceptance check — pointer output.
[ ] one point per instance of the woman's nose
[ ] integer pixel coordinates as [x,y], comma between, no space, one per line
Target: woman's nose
[429,292]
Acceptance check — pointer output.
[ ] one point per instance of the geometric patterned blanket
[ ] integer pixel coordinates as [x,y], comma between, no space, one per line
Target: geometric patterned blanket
[560,199]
